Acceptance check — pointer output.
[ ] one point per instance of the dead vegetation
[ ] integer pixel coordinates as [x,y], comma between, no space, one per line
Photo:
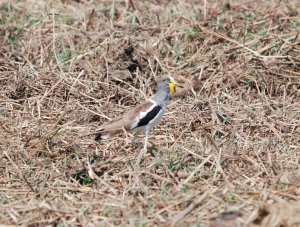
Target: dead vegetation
[227,150]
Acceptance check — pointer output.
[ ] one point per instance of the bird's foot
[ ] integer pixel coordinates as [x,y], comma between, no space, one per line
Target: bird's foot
[134,143]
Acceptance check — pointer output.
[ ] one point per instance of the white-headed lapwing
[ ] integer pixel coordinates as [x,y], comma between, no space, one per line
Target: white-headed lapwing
[142,117]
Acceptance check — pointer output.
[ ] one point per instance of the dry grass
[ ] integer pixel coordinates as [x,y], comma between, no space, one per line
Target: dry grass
[223,152]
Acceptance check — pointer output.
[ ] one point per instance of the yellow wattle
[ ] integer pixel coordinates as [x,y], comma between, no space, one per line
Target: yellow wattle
[172,87]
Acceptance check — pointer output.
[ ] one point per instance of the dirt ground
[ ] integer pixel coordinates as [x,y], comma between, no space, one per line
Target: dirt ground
[227,150]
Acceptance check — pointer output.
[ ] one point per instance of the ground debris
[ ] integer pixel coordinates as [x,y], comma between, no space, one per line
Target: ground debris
[229,138]
[283,214]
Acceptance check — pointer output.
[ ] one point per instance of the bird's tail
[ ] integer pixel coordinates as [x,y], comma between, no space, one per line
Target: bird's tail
[102,134]
[98,137]
[106,133]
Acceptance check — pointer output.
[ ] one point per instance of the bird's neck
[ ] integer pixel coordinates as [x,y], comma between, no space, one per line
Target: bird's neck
[161,97]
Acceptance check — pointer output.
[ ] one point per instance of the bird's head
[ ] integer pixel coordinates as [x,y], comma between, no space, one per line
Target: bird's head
[166,83]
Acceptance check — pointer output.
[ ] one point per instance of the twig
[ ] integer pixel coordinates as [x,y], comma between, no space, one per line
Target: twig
[194,204]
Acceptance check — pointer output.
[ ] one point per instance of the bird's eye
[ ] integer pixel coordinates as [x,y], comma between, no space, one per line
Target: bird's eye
[166,81]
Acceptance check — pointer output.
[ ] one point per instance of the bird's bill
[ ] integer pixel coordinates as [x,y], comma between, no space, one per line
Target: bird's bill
[172,87]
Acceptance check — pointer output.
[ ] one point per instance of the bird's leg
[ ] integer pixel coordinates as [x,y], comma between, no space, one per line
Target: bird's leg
[146,144]
[143,152]
[139,158]
[133,142]
[126,136]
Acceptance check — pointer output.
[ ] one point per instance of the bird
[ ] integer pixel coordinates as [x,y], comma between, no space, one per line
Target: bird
[144,116]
